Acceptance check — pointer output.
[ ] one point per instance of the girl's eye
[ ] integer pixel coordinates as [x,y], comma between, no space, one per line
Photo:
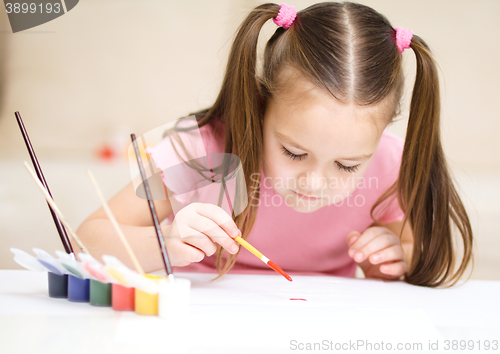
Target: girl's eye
[292,155]
[351,169]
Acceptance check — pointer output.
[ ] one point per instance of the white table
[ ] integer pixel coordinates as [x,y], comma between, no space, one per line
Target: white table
[254,313]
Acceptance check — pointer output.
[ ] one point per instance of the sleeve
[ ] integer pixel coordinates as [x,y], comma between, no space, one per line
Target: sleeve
[188,161]
[171,157]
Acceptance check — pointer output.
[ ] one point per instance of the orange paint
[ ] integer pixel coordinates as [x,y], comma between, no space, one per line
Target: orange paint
[279,270]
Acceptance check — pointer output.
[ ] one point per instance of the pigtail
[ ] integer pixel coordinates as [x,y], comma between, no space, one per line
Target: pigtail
[425,189]
[238,107]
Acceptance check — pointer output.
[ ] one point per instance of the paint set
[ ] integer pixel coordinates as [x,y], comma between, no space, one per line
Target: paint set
[111,284]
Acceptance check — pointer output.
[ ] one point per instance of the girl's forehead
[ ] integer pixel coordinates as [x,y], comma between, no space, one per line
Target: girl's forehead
[318,121]
[340,129]
[303,104]
[297,92]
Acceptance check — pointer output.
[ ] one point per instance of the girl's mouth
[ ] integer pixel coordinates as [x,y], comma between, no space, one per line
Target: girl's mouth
[306,197]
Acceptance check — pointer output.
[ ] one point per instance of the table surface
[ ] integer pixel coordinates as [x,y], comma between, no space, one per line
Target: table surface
[242,313]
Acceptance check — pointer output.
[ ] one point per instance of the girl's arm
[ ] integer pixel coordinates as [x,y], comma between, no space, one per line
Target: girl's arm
[133,215]
[380,252]
[193,234]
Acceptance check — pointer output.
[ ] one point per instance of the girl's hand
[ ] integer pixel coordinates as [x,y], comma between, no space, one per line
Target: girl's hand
[378,252]
[195,230]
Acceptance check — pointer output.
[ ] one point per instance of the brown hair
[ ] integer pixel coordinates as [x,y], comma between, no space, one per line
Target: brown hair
[348,50]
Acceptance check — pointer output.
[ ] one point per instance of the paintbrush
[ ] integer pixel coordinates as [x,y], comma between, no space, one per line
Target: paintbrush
[60,229]
[248,246]
[112,218]
[54,207]
[152,209]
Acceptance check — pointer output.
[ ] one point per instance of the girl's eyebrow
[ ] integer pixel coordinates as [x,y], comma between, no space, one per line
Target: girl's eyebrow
[294,144]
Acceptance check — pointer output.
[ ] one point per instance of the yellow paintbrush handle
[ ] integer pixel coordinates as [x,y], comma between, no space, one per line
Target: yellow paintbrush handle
[248,247]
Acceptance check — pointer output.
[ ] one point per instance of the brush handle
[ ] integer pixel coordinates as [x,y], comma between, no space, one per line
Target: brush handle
[250,248]
[60,229]
[54,207]
[115,225]
[154,215]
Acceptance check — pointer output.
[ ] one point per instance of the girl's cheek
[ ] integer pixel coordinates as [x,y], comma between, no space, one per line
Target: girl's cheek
[342,187]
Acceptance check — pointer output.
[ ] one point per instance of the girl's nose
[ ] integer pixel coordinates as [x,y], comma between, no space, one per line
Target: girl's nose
[313,180]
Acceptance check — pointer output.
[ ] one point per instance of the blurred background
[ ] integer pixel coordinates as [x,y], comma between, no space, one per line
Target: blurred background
[86,80]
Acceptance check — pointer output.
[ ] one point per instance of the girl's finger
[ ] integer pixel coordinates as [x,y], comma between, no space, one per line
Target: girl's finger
[183,254]
[367,236]
[219,216]
[352,237]
[396,269]
[202,241]
[376,244]
[390,254]
[212,221]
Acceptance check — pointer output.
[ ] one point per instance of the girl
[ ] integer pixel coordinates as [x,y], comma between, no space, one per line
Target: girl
[328,187]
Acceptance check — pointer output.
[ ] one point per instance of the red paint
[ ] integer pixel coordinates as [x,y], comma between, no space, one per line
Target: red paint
[122,298]
[298,299]
[98,275]
[279,270]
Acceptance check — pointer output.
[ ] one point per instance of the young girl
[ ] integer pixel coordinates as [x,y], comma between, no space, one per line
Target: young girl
[328,187]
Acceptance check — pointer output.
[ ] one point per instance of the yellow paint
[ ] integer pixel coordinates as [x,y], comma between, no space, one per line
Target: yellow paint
[145,303]
[118,276]
[248,247]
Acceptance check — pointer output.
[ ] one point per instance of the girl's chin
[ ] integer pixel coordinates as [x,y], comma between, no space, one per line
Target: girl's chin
[306,205]
[301,208]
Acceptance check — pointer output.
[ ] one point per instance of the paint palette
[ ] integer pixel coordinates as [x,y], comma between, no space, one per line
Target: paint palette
[27,261]
[52,264]
[127,277]
[94,268]
[90,281]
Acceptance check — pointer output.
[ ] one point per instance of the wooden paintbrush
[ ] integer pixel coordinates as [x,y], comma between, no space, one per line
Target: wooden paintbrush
[152,209]
[54,207]
[112,218]
[60,229]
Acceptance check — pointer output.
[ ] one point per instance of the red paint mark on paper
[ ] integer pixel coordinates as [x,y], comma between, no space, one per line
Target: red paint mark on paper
[298,299]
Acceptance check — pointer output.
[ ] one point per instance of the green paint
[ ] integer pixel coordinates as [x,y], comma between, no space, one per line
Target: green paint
[100,293]
[73,271]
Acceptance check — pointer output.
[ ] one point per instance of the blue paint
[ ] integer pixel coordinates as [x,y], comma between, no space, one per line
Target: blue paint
[50,267]
[78,289]
[58,285]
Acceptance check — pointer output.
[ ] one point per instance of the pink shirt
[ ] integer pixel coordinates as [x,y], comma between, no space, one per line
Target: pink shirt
[300,243]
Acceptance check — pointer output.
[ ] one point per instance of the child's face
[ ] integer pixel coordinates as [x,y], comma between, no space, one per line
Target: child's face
[315,146]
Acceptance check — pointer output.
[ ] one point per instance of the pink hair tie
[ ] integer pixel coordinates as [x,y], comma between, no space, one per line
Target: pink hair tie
[403,38]
[286,15]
